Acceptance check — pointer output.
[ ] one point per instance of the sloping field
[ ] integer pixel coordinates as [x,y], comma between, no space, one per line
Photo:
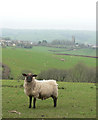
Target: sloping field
[83,51]
[38,59]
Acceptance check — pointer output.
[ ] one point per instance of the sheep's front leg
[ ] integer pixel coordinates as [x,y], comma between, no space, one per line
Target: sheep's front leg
[30,98]
[34,101]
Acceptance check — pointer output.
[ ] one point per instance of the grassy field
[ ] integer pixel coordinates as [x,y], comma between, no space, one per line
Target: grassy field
[85,51]
[41,58]
[76,100]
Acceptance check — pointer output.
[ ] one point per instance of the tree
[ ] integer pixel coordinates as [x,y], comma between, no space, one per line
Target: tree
[7,38]
[39,42]
[44,41]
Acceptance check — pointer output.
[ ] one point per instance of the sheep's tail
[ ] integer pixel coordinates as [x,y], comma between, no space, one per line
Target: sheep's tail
[56,84]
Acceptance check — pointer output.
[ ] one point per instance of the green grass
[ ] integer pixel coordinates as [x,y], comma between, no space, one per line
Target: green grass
[38,59]
[76,100]
[84,51]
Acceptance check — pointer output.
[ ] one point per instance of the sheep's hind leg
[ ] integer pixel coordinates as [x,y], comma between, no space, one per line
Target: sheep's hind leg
[55,102]
[30,98]
[34,101]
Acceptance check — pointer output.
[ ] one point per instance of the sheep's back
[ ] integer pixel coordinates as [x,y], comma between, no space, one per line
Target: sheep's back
[48,88]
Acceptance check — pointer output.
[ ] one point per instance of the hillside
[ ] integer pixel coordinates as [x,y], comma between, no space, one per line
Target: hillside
[38,59]
[49,35]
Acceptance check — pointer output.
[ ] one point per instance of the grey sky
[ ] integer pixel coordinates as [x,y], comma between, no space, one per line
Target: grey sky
[48,14]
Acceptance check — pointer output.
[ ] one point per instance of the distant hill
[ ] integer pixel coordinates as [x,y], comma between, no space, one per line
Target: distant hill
[81,36]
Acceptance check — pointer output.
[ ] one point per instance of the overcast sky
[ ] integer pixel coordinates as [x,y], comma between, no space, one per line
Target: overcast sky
[48,14]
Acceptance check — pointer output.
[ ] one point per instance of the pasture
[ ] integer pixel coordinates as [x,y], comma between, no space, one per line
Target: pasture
[38,59]
[83,51]
[75,100]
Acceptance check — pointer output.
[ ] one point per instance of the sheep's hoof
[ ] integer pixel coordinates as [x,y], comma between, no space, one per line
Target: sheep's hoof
[34,107]
[29,106]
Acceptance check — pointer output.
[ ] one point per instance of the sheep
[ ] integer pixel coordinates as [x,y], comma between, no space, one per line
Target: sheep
[39,89]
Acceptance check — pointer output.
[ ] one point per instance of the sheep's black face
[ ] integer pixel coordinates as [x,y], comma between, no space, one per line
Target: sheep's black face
[29,76]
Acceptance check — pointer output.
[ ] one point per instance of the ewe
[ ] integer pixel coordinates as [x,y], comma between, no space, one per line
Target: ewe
[40,89]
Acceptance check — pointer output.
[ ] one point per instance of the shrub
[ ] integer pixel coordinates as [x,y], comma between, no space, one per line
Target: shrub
[5,71]
[59,75]
[79,73]
[82,73]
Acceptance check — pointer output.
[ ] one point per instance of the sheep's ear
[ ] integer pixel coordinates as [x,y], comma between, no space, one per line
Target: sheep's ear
[24,74]
[34,75]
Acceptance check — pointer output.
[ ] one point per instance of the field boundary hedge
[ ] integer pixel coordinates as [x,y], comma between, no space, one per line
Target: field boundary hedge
[79,73]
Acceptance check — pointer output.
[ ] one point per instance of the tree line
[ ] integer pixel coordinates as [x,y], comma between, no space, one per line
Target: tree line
[79,73]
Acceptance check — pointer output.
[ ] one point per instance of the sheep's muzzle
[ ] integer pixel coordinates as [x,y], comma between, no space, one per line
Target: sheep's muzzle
[29,78]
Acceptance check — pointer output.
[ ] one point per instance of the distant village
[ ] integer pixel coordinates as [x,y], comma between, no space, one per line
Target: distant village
[7,42]
[15,43]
